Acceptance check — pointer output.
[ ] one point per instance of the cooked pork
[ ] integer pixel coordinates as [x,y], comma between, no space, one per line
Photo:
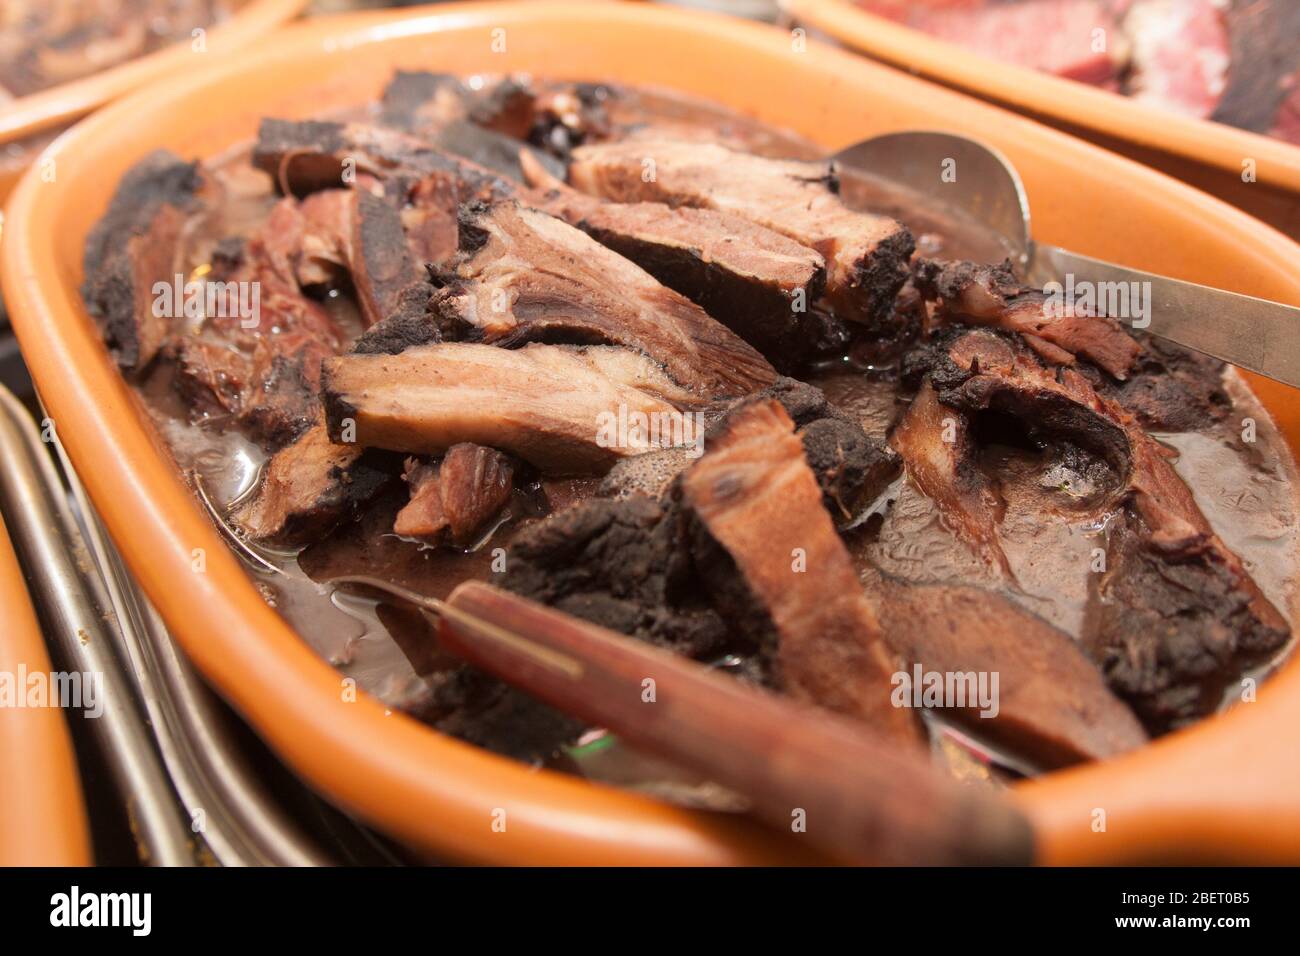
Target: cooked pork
[304,156]
[309,487]
[936,444]
[1198,619]
[757,282]
[992,295]
[135,245]
[767,547]
[1053,707]
[525,276]
[550,405]
[466,489]
[620,564]
[866,255]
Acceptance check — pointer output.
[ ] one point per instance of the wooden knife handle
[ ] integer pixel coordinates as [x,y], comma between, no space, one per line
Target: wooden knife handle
[827,780]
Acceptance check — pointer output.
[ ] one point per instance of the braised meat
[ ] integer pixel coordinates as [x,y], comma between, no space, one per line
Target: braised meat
[544,403]
[757,282]
[308,487]
[458,497]
[769,550]
[866,255]
[524,276]
[529,332]
[134,246]
[1197,603]
[992,295]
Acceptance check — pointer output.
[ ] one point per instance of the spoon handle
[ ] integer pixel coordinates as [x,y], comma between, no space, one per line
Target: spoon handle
[852,794]
[1252,333]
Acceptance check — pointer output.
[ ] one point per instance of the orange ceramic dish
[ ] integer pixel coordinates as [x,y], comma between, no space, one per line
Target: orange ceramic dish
[59,105]
[1227,789]
[42,819]
[1210,155]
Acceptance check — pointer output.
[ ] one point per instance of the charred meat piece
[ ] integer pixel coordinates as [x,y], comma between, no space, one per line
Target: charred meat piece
[993,296]
[361,233]
[524,276]
[1172,625]
[553,406]
[134,246]
[465,491]
[768,550]
[308,487]
[416,101]
[851,467]
[1198,604]
[1052,706]
[259,360]
[866,256]
[487,127]
[620,564]
[757,282]
[1171,389]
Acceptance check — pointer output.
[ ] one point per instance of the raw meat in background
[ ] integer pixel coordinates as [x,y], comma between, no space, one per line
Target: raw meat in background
[1232,61]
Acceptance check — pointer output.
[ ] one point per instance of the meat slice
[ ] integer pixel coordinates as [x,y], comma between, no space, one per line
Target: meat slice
[134,246]
[621,564]
[866,256]
[263,369]
[310,486]
[304,156]
[852,468]
[992,295]
[363,234]
[755,281]
[550,405]
[525,276]
[466,490]
[769,551]
[1198,619]
[1052,706]
[422,516]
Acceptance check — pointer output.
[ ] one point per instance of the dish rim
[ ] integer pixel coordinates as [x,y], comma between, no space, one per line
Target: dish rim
[258,662]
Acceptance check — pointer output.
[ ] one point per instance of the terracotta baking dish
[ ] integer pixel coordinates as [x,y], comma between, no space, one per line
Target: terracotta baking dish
[1230,789]
[1207,155]
[42,819]
[59,105]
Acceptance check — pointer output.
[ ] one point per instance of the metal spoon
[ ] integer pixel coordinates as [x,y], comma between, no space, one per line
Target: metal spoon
[1252,333]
